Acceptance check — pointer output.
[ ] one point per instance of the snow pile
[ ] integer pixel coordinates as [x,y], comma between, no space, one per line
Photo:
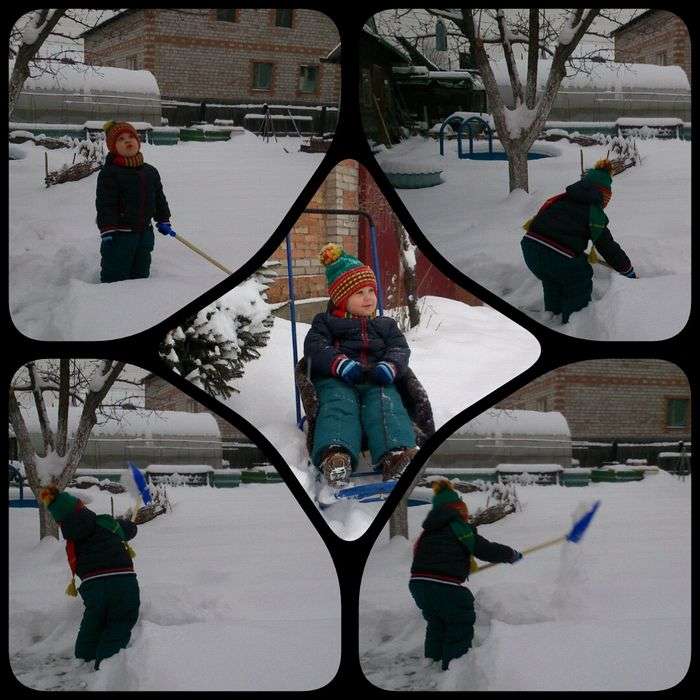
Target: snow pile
[226,198]
[214,615]
[498,422]
[610,613]
[15,152]
[459,353]
[477,226]
[407,166]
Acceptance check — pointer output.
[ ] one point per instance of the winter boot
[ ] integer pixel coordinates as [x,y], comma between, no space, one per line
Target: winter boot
[394,462]
[336,466]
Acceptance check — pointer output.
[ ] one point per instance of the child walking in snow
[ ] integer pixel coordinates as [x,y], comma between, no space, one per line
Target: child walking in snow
[557,237]
[99,555]
[442,559]
[129,195]
[354,358]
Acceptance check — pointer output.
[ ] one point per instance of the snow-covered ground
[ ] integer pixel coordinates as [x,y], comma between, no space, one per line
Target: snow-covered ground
[610,613]
[238,592]
[476,225]
[460,354]
[225,197]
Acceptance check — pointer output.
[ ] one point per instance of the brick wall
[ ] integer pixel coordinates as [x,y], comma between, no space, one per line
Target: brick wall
[608,399]
[313,231]
[659,31]
[196,57]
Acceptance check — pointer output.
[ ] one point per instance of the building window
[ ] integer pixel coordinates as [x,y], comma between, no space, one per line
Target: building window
[262,76]
[677,413]
[226,16]
[308,78]
[132,62]
[283,18]
[542,404]
[661,59]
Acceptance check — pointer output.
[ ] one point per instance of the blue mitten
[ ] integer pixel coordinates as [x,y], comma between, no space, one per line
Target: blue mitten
[165,228]
[383,373]
[631,274]
[349,371]
[516,557]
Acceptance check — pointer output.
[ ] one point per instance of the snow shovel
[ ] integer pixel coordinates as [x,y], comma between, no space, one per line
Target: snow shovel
[574,535]
[193,247]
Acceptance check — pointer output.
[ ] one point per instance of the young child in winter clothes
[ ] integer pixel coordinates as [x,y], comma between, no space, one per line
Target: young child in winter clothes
[99,555]
[129,195]
[557,237]
[355,357]
[442,559]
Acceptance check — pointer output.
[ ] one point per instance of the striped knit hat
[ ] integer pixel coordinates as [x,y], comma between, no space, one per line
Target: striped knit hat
[113,130]
[445,495]
[345,274]
[600,175]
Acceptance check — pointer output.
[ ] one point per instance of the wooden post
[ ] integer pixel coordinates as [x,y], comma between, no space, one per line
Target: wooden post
[46,167]
[111,504]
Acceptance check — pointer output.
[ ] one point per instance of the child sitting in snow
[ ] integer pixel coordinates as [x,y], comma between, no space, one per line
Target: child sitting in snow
[442,559]
[354,357]
[99,555]
[558,235]
[129,195]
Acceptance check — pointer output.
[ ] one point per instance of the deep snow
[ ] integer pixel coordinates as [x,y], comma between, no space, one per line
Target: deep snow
[476,225]
[611,613]
[238,592]
[225,197]
[460,353]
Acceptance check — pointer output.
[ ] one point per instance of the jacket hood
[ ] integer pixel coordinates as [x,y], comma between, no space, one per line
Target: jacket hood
[585,193]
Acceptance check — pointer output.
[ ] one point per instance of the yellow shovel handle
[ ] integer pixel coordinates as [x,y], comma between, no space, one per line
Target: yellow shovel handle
[193,247]
[529,550]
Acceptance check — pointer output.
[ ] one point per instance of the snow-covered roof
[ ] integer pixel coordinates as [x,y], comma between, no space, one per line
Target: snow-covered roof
[604,76]
[649,121]
[142,423]
[497,422]
[95,79]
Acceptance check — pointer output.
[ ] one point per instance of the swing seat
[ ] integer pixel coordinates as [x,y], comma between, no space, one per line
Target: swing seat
[412,392]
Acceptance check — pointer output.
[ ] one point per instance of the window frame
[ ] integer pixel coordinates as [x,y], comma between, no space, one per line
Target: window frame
[253,64]
[235,11]
[274,16]
[317,88]
[667,413]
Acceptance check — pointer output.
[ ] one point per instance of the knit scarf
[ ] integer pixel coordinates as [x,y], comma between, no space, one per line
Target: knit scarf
[461,529]
[129,161]
[340,313]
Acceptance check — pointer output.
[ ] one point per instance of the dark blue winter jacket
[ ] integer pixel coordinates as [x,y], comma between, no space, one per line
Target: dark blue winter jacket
[366,340]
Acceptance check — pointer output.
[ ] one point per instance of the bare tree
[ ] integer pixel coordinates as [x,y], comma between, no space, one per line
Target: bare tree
[82,385]
[407,260]
[536,33]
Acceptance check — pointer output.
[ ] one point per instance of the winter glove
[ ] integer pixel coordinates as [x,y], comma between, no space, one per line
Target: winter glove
[48,495]
[631,274]
[383,373]
[349,371]
[165,228]
[517,556]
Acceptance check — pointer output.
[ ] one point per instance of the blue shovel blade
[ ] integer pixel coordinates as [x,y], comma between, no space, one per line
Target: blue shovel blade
[581,525]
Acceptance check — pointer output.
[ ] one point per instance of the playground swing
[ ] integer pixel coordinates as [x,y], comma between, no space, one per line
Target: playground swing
[412,392]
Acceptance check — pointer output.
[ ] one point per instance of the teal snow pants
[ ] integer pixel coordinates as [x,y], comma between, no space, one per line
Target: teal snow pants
[126,255]
[567,282]
[449,612]
[111,611]
[346,412]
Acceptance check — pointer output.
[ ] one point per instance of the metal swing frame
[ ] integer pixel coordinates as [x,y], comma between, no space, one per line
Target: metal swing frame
[292,296]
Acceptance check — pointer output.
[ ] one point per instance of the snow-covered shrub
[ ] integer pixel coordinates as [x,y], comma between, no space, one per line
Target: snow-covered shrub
[210,348]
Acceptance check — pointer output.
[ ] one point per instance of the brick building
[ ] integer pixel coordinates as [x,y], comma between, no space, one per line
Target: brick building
[607,400]
[214,55]
[659,37]
[350,186]
[237,448]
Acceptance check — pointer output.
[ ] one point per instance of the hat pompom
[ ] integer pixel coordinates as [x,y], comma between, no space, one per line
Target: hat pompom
[442,485]
[108,125]
[330,253]
[604,164]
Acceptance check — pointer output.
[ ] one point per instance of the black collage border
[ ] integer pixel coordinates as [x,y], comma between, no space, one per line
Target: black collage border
[556,350]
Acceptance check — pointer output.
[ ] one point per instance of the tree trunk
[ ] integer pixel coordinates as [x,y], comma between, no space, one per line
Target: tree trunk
[47,525]
[398,523]
[26,52]
[517,165]
[407,257]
